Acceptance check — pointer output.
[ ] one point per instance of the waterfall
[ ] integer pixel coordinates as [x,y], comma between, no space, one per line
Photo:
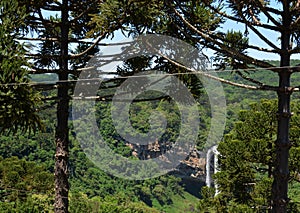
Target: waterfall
[208,160]
[216,153]
[212,152]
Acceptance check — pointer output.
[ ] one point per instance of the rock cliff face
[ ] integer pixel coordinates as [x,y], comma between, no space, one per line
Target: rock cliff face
[193,166]
[149,151]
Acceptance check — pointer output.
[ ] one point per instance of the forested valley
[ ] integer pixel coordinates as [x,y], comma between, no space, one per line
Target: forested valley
[27,162]
[55,63]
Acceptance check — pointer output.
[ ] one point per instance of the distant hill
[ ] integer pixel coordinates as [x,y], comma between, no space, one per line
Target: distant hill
[44,77]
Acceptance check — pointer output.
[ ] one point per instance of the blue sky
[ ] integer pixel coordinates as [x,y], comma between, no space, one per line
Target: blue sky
[253,38]
[229,25]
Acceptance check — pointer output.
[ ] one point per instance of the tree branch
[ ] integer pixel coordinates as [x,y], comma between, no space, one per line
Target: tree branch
[51,8]
[244,21]
[262,49]
[224,48]
[268,15]
[80,15]
[266,40]
[251,24]
[206,74]
[108,98]
[249,79]
[295,24]
[88,49]
[44,21]
[37,39]
[39,56]
[273,10]
[295,50]
[72,40]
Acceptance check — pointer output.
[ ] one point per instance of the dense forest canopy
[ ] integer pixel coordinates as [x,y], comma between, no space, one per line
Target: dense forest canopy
[199,22]
[56,39]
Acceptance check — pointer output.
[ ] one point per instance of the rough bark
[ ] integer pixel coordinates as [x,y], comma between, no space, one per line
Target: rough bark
[62,140]
[281,169]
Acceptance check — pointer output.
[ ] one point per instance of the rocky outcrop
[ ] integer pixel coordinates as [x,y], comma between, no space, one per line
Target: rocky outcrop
[193,166]
[149,151]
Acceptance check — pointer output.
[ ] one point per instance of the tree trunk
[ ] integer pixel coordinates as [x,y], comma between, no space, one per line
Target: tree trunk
[61,137]
[281,170]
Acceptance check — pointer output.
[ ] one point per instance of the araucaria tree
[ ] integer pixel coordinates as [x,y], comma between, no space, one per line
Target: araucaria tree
[52,26]
[18,101]
[245,162]
[199,23]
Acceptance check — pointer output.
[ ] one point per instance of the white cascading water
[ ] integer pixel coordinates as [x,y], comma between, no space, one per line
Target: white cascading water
[212,152]
[216,153]
[208,179]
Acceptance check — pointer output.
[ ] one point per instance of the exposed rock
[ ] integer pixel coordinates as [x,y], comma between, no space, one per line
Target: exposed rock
[193,166]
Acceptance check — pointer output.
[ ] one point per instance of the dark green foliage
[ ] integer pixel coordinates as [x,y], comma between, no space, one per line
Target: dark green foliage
[219,204]
[38,147]
[25,186]
[136,17]
[24,175]
[118,203]
[140,114]
[17,99]
[246,161]
[121,13]
[91,188]
[236,42]
[246,156]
